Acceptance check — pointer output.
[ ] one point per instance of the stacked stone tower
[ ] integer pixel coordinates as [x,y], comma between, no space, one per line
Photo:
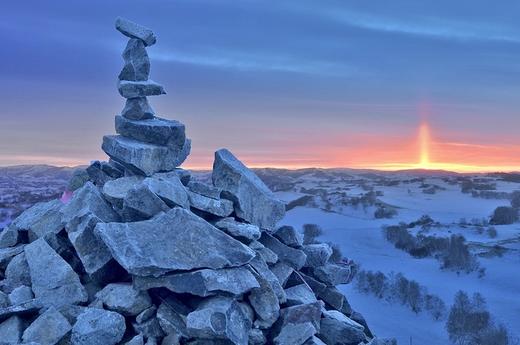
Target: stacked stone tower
[146,144]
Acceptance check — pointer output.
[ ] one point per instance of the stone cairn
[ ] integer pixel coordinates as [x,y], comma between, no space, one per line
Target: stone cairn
[144,254]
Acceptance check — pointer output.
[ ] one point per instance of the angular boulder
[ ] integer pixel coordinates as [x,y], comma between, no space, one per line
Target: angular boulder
[124,299]
[333,274]
[155,131]
[16,273]
[265,303]
[204,189]
[116,190]
[88,200]
[48,329]
[98,326]
[134,30]
[11,330]
[206,282]
[219,208]
[176,240]
[54,282]
[137,109]
[137,63]
[300,294]
[135,89]
[293,257]
[298,323]
[144,158]
[289,236]
[20,295]
[141,203]
[169,188]
[337,328]
[241,231]
[254,202]
[317,254]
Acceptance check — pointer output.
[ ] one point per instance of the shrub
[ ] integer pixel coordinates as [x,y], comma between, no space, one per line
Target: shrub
[337,255]
[504,215]
[310,232]
[515,199]
[383,211]
[492,232]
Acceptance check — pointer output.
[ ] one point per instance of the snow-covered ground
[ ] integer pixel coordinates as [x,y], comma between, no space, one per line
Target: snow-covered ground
[360,236]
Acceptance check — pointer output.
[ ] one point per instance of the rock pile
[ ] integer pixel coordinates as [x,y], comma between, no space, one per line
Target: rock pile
[144,254]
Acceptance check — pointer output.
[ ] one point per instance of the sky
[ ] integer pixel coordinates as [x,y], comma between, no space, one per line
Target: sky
[363,84]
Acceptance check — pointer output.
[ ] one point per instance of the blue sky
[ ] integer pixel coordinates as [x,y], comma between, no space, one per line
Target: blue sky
[289,83]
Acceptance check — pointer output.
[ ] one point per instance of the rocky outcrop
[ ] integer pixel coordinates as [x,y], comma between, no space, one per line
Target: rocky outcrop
[143,254]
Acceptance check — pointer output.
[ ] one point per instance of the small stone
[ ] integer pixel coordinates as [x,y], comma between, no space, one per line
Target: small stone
[299,294]
[282,271]
[135,89]
[124,299]
[204,282]
[149,328]
[137,63]
[78,179]
[134,30]
[20,295]
[254,202]
[8,237]
[17,273]
[267,254]
[220,208]
[265,303]
[6,254]
[333,274]
[48,329]
[172,316]
[204,189]
[289,236]
[169,189]
[257,337]
[54,282]
[141,203]
[146,314]
[144,158]
[98,326]
[293,257]
[137,340]
[116,190]
[335,299]
[317,254]
[260,266]
[336,328]
[219,318]
[176,240]
[137,108]
[155,131]
[29,307]
[11,330]
[242,231]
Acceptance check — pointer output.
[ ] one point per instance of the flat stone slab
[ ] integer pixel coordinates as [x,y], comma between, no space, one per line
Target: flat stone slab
[254,202]
[204,282]
[134,30]
[144,158]
[156,131]
[134,89]
[176,240]
[243,231]
[220,208]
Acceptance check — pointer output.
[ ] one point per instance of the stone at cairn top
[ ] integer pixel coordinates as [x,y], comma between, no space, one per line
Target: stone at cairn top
[134,30]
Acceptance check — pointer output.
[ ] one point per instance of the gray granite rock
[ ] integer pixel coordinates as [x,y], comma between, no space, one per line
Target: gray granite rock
[6,254]
[267,254]
[11,330]
[359,318]
[333,274]
[98,327]
[219,208]
[4,299]
[282,271]
[298,323]
[264,302]
[176,240]
[137,108]
[257,337]
[289,236]
[260,266]
[116,190]
[294,257]
[155,131]
[254,202]
[16,273]
[96,173]
[169,189]
[314,341]
[317,254]
[206,282]
[219,318]
[137,63]
[88,200]
[242,231]
[150,328]
[91,251]
[137,340]
[204,189]
[134,30]
[182,174]
[141,203]
[337,328]
[335,299]
[299,294]
[124,299]
[144,158]
[54,282]
[379,341]
[20,295]
[48,329]
[172,316]
[41,219]
[8,237]
[78,179]
[135,89]
[146,314]
[29,307]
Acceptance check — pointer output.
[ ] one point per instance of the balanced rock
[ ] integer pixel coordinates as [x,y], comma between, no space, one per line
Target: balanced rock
[176,240]
[134,30]
[54,282]
[156,131]
[137,108]
[48,329]
[144,158]
[254,202]
[98,326]
[137,63]
[124,299]
[206,282]
[220,318]
[135,89]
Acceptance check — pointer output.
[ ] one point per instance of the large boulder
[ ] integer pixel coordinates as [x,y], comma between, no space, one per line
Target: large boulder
[54,282]
[176,240]
[254,202]
[48,329]
[144,158]
[137,63]
[206,282]
[98,326]
[220,318]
